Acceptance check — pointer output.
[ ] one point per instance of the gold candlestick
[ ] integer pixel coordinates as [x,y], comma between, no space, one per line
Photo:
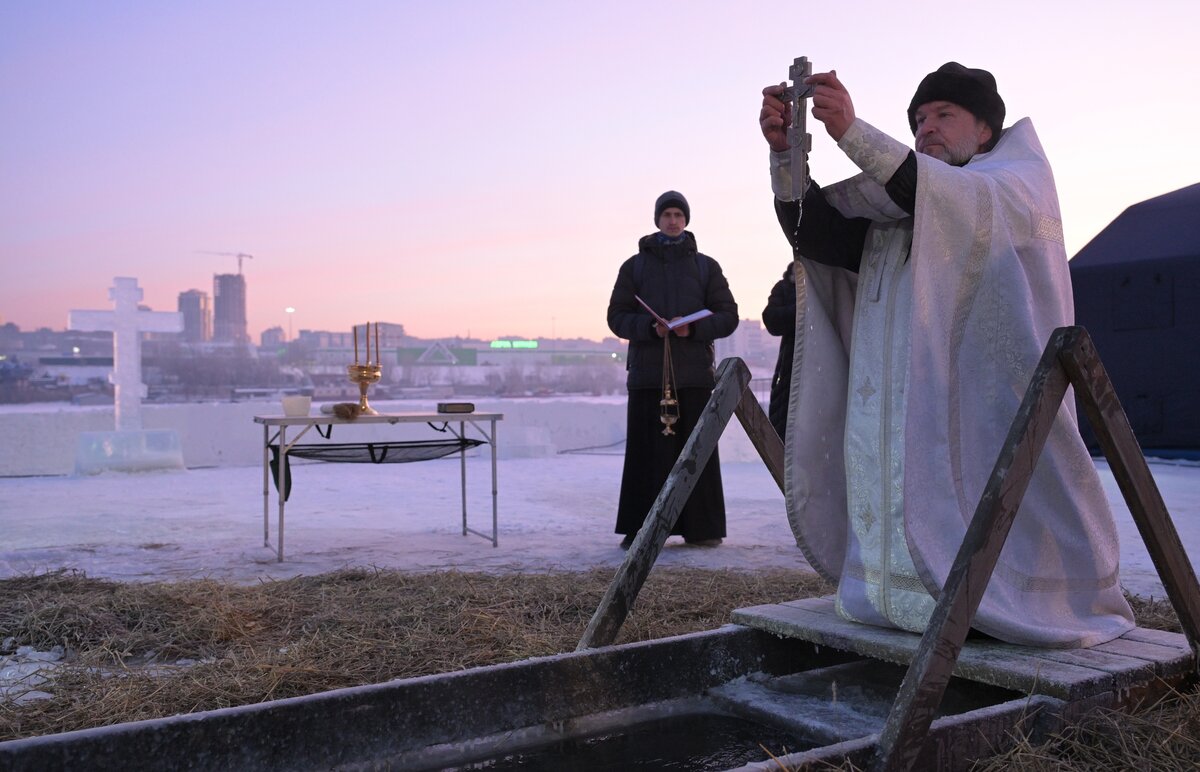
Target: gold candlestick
[364,376]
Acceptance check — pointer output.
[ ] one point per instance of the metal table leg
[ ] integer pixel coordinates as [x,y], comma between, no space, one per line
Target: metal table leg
[495,517]
[266,483]
[462,457]
[283,449]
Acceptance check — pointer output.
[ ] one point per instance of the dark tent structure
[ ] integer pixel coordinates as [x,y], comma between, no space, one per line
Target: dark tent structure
[1137,291]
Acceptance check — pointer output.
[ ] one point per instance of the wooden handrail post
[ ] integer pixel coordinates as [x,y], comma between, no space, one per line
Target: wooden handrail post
[732,379]
[762,435]
[1070,358]
[1132,473]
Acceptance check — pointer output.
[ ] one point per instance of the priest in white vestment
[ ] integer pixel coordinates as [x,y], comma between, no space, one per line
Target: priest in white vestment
[927,288]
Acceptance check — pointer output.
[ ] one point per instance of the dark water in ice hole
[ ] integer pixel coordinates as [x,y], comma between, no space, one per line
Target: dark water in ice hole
[691,742]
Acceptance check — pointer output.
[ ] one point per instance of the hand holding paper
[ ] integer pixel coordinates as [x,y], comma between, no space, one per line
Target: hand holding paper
[677,322]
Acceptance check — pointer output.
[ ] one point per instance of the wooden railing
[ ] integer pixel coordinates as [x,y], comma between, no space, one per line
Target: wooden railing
[731,396]
[1069,359]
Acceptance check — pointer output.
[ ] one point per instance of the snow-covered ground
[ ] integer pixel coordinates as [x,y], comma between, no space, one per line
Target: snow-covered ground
[555,512]
[556,509]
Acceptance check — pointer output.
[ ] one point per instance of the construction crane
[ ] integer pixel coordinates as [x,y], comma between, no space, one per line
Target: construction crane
[238,255]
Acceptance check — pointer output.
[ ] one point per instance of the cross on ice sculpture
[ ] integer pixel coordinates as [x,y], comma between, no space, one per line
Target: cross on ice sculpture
[127,323]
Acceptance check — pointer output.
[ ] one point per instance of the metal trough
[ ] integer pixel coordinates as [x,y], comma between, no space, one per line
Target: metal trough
[790,695]
[808,686]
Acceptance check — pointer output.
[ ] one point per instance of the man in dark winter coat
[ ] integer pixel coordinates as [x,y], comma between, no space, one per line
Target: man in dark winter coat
[674,279]
[779,317]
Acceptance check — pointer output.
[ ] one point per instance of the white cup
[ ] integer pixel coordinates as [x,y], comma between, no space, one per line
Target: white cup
[296,405]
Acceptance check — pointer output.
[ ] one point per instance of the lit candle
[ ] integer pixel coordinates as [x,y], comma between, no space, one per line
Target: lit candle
[355,344]
[378,361]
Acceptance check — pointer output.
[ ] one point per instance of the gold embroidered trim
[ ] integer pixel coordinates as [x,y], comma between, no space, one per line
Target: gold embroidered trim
[964,302]
[1049,229]
[877,154]
[874,576]
[1027,583]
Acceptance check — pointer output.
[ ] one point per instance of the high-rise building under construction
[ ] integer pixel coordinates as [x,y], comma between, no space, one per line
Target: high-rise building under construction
[197,316]
[229,308]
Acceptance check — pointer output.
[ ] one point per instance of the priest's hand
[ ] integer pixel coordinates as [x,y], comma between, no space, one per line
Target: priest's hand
[831,104]
[661,329]
[775,117]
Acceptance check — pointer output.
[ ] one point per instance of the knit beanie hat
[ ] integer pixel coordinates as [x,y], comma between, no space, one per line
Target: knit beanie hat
[973,90]
[672,198]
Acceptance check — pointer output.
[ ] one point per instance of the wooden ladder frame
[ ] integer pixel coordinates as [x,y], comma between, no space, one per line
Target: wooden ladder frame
[1070,359]
[730,396]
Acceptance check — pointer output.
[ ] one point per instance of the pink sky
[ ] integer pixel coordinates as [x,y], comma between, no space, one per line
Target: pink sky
[484,167]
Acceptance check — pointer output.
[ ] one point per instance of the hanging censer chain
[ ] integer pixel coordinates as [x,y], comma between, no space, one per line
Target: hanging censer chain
[668,406]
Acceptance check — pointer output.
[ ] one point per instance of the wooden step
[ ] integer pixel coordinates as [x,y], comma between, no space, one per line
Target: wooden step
[1135,659]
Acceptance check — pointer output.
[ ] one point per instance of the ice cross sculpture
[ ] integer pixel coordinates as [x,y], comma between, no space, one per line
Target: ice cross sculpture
[127,323]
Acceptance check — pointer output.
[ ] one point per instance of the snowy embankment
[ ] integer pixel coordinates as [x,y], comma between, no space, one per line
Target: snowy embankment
[42,440]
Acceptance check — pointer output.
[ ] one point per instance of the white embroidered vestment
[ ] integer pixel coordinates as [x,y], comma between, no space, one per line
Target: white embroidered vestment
[906,379]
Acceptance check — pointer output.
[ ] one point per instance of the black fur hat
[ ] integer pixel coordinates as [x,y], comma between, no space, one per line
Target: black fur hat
[973,90]
[669,199]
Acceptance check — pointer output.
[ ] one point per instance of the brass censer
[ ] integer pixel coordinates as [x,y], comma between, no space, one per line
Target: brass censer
[668,410]
[668,406]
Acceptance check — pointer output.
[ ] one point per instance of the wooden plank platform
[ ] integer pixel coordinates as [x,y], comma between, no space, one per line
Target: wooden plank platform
[1136,658]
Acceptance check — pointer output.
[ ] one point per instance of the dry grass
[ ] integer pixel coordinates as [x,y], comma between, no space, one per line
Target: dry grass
[310,634]
[1163,736]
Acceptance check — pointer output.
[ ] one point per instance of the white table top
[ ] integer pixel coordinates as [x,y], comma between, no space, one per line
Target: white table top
[382,418]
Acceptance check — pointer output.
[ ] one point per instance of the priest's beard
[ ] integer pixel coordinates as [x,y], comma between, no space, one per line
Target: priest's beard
[956,154]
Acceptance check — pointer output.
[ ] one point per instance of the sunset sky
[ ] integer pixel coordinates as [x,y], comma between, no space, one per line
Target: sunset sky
[483,168]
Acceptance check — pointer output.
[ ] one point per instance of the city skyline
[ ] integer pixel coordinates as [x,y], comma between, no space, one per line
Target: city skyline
[482,169]
[197,306]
